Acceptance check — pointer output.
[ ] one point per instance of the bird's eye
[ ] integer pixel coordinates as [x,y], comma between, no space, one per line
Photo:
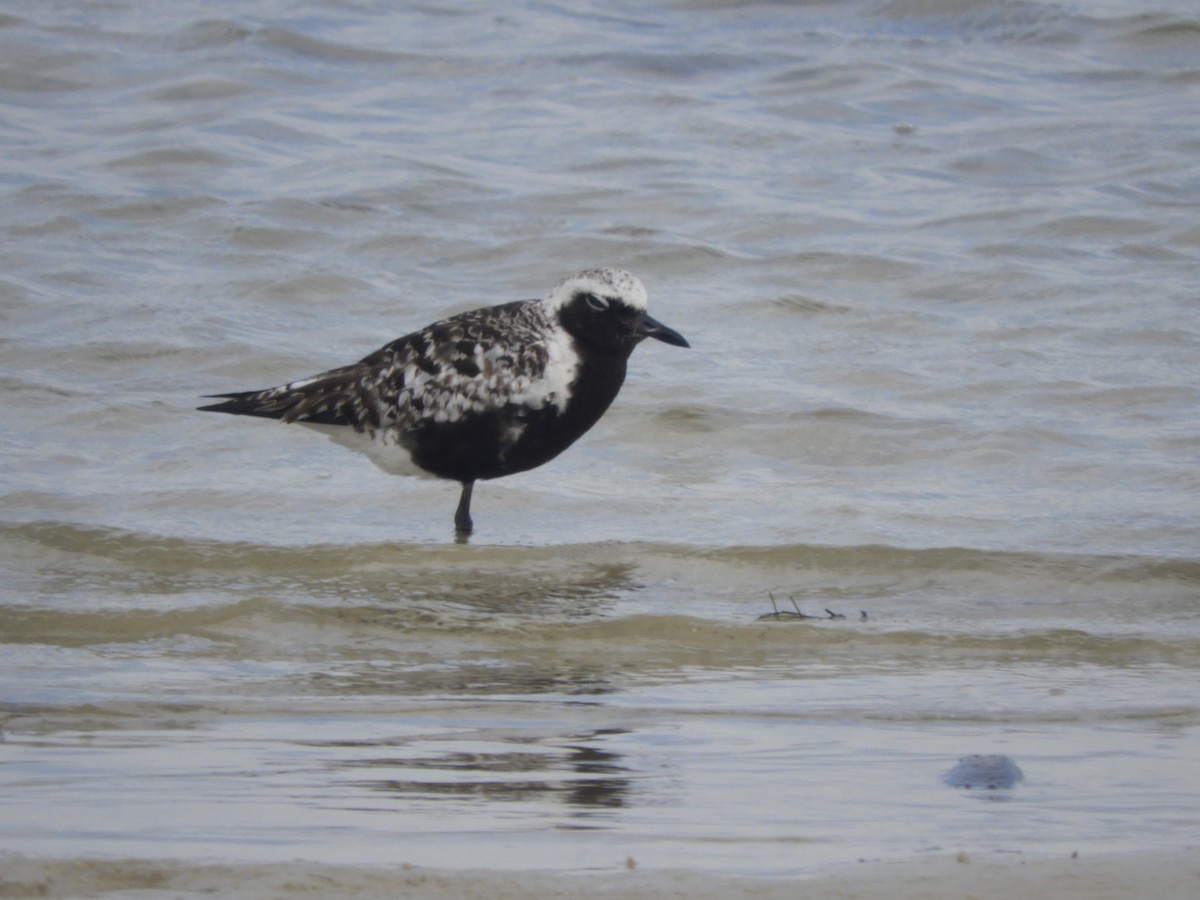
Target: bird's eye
[596,302]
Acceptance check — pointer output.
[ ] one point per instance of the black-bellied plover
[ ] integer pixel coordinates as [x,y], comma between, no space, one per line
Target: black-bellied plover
[482,394]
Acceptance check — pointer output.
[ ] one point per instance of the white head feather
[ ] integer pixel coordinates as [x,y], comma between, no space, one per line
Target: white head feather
[613,284]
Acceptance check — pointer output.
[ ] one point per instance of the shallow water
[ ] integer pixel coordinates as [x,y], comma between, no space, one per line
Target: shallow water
[938,265]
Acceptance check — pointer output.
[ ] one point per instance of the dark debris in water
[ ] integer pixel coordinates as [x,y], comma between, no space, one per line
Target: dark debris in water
[795,615]
[987,771]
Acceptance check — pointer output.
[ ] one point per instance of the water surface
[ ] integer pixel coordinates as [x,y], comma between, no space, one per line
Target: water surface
[938,266]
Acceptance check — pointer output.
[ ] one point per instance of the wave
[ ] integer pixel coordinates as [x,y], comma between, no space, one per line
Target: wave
[73,584]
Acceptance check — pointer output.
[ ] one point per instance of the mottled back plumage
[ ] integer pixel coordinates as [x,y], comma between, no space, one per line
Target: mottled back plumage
[473,362]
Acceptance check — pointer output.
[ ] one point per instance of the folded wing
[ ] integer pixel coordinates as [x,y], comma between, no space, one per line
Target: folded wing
[453,368]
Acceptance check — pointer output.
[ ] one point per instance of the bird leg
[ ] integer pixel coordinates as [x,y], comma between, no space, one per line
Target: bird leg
[462,515]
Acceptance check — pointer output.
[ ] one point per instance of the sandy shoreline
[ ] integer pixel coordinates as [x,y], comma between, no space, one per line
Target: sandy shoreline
[1160,875]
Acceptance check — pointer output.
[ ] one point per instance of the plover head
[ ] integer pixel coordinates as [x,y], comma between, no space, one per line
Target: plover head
[606,309]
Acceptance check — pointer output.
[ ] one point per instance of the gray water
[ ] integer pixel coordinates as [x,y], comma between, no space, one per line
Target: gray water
[938,262]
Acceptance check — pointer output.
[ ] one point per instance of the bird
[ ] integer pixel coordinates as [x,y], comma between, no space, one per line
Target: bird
[482,394]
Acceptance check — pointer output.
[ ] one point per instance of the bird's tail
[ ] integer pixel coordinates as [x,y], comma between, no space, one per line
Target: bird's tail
[345,396]
[249,403]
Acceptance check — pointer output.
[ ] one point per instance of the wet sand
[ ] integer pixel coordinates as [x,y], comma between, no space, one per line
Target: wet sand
[1167,875]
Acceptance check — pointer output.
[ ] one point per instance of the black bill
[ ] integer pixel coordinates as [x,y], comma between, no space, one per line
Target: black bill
[660,332]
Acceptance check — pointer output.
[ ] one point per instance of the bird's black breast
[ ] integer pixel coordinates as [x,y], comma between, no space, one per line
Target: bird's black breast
[517,437]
